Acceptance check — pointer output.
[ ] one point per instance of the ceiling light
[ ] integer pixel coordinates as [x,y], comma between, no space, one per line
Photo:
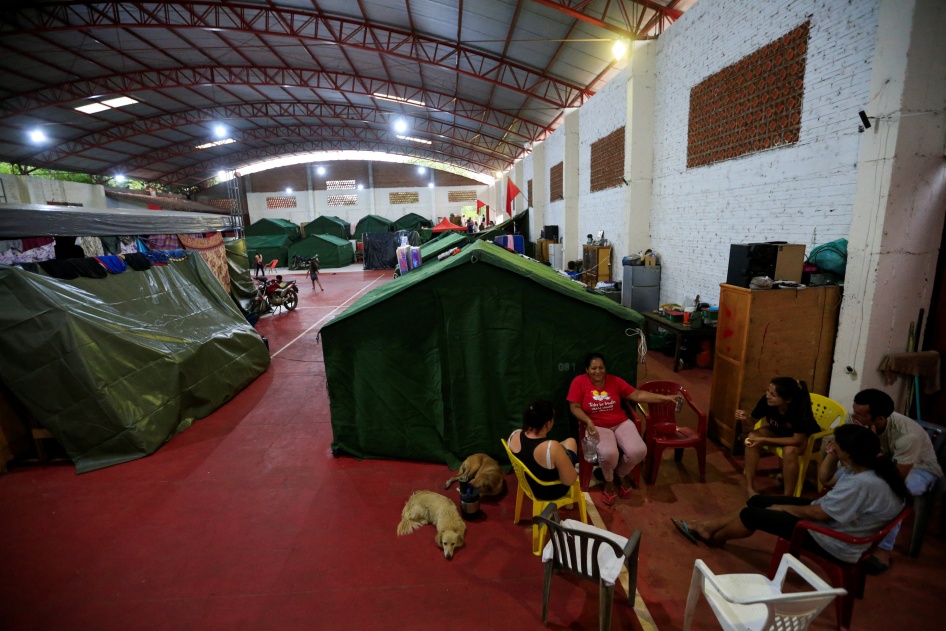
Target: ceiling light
[430,184]
[413,139]
[398,99]
[498,174]
[121,101]
[221,175]
[422,169]
[400,125]
[101,106]
[37,135]
[320,170]
[119,178]
[93,108]
[361,187]
[288,190]
[220,131]
[619,49]
[215,143]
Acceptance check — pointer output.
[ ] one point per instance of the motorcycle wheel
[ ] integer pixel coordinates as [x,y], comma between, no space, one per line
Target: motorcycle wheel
[291,301]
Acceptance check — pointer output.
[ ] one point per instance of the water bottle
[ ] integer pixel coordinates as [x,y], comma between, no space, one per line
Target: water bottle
[589,447]
[679,406]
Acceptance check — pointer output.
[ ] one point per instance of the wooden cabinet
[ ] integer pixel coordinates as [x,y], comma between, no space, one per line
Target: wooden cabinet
[596,264]
[542,250]
[768,333]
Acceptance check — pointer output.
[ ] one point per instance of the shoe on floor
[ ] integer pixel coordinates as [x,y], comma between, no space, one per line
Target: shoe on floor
[875,566]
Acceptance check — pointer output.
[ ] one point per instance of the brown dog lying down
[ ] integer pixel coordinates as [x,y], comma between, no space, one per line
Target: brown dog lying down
[482,472]
[427,507]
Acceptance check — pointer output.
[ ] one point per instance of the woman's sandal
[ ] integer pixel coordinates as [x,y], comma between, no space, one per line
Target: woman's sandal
[608,499]
[624,492]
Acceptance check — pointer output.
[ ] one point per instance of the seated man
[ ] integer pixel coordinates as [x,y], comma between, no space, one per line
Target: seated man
[903,440]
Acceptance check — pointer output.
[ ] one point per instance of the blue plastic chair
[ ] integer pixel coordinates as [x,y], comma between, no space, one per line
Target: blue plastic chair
[923,504]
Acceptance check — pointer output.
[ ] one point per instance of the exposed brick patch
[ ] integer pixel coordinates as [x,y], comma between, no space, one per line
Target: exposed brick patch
[281,202]
[752,105]
[461,196]
[405,197]
[556,182]
[342,200]
[607,161]
[529,193]
[340,185]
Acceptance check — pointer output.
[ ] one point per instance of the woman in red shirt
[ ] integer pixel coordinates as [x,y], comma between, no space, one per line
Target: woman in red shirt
[594,398]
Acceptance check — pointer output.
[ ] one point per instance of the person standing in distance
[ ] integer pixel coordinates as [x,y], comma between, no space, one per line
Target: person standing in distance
[314,272]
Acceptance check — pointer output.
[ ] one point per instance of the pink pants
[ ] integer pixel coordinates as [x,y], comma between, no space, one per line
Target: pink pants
[632,449]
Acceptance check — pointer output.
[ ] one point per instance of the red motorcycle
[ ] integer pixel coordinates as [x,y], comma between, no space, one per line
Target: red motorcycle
[275,293]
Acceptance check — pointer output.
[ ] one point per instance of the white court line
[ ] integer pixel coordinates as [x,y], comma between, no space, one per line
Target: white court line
[640,607]
[330,314]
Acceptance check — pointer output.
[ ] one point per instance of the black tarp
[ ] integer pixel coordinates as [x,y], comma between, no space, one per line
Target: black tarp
[381,250]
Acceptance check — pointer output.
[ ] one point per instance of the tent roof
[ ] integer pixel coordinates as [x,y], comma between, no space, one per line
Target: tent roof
[446,224]
[34,220]
[485,253]
[446,241]
[328,239]
[332,218]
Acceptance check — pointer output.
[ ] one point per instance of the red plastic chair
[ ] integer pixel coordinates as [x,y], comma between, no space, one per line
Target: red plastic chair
[850,576]
[272,265]
[585,468]
[664,433]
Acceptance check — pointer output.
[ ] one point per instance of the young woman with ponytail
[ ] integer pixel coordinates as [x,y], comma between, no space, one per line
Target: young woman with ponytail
[786,408]
[867,493]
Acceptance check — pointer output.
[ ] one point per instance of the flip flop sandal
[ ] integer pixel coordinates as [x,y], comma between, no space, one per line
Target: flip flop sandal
[624,492]
[685,530]
[608,499]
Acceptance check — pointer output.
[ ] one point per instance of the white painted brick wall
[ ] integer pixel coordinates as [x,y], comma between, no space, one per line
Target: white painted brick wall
[603,210]
[801,194]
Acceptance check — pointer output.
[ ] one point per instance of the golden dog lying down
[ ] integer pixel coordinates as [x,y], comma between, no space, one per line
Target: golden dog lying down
[482,472]
[427,507]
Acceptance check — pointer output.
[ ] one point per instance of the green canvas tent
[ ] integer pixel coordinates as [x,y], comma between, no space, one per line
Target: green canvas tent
[271,246]
[114,367]
[371,223]
[446,241]
[332,251]
[412,221]
[440,363]
[269,227]
[328,224]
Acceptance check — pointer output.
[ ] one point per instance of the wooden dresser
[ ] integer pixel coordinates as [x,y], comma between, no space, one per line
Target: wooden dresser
[764,334]
[595,264]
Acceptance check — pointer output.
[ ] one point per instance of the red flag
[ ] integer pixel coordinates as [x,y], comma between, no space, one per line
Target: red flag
[511,192]
[479,205]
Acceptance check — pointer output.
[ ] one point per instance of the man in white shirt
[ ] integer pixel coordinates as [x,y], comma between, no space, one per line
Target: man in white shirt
[903,440]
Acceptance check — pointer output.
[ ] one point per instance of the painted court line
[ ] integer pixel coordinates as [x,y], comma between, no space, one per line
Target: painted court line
[640,607]
[329,315]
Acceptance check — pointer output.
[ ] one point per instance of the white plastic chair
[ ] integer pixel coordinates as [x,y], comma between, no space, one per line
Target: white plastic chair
[752,602]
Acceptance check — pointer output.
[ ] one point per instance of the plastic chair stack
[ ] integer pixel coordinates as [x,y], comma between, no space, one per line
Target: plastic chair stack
[526,480]
[753,602]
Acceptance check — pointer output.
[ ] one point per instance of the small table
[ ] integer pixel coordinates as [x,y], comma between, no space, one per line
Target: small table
[677,328]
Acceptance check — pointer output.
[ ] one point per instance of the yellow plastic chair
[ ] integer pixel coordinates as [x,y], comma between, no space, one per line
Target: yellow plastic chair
[526,480]
[830,415]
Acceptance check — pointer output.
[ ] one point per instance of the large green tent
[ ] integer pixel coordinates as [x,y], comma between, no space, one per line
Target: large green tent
[114,367]
[371,223]
[412,221]
[440,363]
[328,224]
[271,246]
[269,227]
[332,251]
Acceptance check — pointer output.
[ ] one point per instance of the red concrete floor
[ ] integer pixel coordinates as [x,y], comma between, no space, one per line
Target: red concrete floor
[247,521]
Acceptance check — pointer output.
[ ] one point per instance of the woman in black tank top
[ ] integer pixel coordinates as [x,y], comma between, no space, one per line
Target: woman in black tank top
[547,459]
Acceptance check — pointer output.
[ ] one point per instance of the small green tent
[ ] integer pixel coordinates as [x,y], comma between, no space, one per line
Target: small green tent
[328,224]
[269,227]
[332,251]
[440,363]
[412,221]
[371,223]
[271,246]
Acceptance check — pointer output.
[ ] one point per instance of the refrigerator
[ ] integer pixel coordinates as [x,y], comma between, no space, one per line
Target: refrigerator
[640,289]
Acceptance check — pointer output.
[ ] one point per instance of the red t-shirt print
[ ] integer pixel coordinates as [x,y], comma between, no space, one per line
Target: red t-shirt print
[602,405]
